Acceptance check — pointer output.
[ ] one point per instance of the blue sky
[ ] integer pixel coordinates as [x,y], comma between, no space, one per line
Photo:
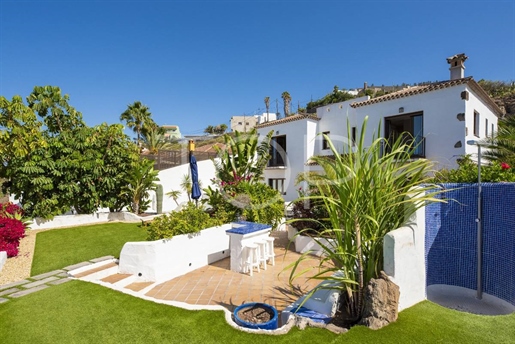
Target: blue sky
[197,63]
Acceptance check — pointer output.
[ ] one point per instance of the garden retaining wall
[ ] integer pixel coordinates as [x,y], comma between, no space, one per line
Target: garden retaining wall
[165,259]
[83,219]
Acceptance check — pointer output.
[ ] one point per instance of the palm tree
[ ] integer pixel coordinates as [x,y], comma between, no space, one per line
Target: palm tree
[287,99]
[153,140]
[137,116]
[140,181]
[174,194]
[267,105]
[501,147]
[209,129]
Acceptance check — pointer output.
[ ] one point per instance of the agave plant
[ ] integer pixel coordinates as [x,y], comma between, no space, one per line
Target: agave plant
[367,191]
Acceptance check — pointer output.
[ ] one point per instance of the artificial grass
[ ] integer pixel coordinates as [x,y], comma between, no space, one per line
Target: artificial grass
[81,312]
[58,248]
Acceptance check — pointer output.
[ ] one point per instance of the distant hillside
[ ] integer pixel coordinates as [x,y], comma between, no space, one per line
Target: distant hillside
[503,94]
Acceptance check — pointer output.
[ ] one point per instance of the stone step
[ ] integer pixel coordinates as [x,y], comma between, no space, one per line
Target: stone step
[119,280]
[138,286]
[95,271]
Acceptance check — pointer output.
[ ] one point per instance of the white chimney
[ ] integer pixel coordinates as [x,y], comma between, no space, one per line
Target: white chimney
[457,67]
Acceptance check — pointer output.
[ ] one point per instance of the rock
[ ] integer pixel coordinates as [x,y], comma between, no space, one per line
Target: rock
[381,302]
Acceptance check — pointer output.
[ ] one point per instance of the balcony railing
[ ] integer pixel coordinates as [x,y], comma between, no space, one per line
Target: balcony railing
[418,147]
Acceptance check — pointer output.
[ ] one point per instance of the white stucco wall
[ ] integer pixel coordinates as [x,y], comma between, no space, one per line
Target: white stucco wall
[3,259]
[172,178]
[82,219]
[300,136]
[165,259]
[404,260]
[474,104]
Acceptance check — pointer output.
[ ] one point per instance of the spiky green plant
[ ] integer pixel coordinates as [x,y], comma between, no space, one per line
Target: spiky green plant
[245,156]
[367,191]
[501,147]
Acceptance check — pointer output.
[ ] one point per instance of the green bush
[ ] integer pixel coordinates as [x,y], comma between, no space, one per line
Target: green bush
[253,201]
[190,219]
[467,173]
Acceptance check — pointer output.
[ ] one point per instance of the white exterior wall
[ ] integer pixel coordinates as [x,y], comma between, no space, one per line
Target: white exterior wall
[474,104]
[442,130]
[300,137]
[333,118]
[171,179]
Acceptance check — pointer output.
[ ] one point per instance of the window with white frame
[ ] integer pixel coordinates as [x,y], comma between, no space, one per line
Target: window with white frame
[486,127]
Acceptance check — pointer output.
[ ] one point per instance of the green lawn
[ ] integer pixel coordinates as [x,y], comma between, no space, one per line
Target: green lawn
[81,312]
[58,248]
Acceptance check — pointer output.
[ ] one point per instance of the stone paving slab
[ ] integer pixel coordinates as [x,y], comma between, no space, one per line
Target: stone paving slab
[28,291]
[2,300]
[101,259]
[60,281]
[76,266]
[46,274]
[13,284]
[63,274]
[9,291]
[38,283]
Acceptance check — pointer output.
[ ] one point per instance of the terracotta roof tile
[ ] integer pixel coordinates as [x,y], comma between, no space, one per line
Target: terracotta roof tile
[291,118]
[413,91]
[433,87]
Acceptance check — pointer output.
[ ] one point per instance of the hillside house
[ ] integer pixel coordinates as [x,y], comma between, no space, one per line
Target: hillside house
[441,117]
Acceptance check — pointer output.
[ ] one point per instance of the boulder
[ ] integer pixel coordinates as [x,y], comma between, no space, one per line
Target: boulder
[381,302]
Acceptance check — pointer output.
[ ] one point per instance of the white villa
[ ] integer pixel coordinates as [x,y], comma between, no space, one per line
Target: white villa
[441,116]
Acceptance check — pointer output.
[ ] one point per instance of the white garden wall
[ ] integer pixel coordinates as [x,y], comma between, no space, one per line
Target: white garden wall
[82,219]
[165,259]
[404,258]
[3,259]
[172,178]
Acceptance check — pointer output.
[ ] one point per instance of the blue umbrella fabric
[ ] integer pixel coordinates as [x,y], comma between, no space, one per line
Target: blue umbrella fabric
[195,189]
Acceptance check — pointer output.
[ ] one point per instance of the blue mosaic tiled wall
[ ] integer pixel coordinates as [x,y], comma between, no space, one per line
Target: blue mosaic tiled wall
[451,239]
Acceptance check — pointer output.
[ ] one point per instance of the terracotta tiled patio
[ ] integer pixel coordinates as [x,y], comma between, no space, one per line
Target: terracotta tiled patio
[216,284]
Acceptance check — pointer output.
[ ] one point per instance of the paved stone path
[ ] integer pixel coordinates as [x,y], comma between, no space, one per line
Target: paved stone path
[35,283]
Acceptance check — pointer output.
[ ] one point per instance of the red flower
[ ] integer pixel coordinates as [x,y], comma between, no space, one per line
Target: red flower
[505,166]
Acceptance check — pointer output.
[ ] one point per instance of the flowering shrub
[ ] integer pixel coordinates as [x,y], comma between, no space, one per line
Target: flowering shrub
[467,173]
[309,214]
[12,228]
[10,210]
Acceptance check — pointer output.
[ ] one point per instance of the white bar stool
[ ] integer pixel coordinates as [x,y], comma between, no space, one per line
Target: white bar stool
[270,253]
[262,245]
[250,258]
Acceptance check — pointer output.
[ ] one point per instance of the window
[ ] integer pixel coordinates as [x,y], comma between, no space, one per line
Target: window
[325,142]
[277,184]
[486,127]
[492,131]
[410,128]
[240,123]
[246,123]
[476,123]
[277,151]
[353,136]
